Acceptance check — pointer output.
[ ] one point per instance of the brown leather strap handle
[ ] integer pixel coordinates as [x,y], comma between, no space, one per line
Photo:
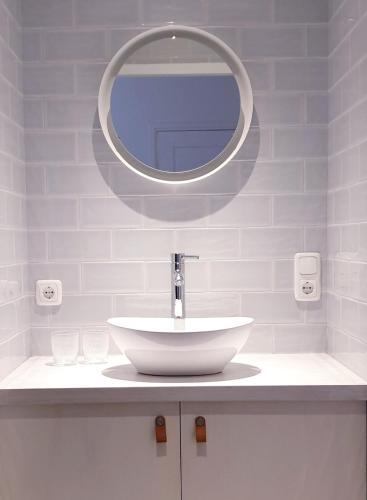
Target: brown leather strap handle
[160,429]
[200,429]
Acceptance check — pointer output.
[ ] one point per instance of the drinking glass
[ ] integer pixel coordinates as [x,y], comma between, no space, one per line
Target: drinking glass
[95,345]
[65,347]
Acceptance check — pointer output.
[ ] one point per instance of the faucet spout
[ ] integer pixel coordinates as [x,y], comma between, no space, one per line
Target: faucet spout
[178,284]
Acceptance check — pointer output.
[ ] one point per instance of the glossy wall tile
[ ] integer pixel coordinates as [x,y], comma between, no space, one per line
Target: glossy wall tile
[14,302]
[347,190]
[90,218]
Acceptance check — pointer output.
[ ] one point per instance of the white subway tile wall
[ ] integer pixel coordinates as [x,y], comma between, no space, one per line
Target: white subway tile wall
[347,189]
[108,233]
[14,303]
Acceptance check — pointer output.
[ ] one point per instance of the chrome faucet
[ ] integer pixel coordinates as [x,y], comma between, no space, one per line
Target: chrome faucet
[178,283]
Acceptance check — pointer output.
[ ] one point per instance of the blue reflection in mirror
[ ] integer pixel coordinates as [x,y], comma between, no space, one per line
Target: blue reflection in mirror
[175,123]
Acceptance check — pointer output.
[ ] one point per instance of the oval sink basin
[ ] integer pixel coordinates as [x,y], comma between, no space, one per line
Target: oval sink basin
[190,346]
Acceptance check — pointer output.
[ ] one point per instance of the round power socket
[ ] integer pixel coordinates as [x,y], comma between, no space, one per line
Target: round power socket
[48,292]
[307,287]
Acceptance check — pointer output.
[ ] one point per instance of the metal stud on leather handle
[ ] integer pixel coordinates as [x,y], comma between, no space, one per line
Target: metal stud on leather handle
[200,429]
[160,429]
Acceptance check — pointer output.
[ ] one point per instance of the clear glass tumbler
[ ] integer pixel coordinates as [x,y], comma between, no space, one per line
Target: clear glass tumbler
[65,347]
[95,345]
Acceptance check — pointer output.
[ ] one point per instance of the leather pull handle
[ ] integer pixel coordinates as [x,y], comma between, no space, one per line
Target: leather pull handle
[200,429]
[160,429]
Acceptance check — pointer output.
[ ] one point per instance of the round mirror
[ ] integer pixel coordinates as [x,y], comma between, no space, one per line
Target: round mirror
[175,104]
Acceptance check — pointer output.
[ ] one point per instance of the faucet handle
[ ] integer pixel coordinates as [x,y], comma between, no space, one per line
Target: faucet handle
[192,257]
[178,258]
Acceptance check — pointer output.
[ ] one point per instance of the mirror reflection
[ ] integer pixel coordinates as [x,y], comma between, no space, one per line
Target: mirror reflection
[175,104]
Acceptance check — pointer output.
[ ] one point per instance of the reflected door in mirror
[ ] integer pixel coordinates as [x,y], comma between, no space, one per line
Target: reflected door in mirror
[175,123]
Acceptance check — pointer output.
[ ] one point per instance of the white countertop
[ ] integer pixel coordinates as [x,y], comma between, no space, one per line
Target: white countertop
[271,377]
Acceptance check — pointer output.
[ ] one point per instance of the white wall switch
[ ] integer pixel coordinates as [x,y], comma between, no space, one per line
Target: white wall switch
[307,276]
[48,292]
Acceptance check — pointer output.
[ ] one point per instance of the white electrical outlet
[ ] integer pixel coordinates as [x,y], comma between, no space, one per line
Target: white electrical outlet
[307,276]
[48,292]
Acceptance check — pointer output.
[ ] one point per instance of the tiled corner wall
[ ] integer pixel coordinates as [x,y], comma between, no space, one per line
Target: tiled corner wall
[108,234]
[14,317]
[347,212]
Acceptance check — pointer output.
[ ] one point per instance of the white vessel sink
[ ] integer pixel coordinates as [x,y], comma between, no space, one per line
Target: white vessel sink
[190,346]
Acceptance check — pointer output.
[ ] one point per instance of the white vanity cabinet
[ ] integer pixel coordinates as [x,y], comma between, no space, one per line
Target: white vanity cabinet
[89,452]
[254,450]
[277,451]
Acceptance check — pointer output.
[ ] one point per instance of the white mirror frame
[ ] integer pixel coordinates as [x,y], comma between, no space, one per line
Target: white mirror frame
[245,91]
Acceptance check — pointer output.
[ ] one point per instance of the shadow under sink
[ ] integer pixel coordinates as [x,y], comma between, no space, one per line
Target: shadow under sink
[233,371]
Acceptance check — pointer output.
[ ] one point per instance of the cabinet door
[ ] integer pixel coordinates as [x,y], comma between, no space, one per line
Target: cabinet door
[89,452]
[277,451]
